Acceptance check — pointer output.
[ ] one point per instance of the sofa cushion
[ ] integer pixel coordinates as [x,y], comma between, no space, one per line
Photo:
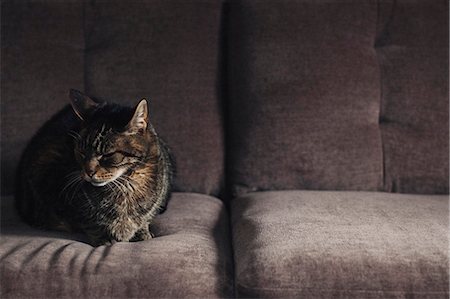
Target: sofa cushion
[42,58]
[304,96]
[308,244]
[167,51]
[189,257]
[413,55]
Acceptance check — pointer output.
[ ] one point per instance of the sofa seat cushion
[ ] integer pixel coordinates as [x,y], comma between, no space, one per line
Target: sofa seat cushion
[310,244]
[189,257]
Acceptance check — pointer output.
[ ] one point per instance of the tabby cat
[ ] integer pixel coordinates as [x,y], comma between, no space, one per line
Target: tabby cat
[98,168]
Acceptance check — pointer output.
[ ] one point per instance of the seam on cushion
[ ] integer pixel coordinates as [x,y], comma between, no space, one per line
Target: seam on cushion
[380,113]
[240,285]
[380,41]
[375,45]
[223,92]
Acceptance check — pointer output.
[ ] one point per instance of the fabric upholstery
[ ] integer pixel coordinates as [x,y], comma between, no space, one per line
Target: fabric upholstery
[326,95]
[328,244]
[167,51]
[413,54]
[190,257]
[41,60]
[304,96]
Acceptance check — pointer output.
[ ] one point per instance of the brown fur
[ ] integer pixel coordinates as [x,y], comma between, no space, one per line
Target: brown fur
[103,171]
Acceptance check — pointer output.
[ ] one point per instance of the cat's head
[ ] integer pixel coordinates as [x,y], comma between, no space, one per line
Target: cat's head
[113,140]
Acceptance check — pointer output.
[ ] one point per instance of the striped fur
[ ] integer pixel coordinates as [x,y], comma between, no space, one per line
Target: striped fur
[103,171]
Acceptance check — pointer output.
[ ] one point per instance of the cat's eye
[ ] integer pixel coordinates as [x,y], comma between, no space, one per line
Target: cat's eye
[108,155]
[112,158]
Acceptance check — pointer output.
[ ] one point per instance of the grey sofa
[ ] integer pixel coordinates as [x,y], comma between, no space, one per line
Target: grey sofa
[311,140]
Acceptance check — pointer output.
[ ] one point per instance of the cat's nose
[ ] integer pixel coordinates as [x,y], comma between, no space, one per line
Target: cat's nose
[90,172]
[90,168]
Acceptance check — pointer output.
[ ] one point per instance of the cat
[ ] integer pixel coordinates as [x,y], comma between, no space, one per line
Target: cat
[96,168]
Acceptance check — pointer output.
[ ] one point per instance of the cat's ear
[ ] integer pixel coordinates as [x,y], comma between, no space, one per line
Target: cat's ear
[138,122]
[82,105]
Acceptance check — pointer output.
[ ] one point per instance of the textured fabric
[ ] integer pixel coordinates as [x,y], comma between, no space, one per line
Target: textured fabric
[304,96]
[307,244]
[190,257]
[167,51]
[42,57]
[413,53]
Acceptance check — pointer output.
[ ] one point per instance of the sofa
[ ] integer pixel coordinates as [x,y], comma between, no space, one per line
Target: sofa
[311,140]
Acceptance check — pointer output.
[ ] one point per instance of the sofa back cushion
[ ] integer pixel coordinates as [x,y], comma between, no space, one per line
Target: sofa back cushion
[341,95]
[413,55]
[167,51]
[42,58]
[121,51]
[304,96]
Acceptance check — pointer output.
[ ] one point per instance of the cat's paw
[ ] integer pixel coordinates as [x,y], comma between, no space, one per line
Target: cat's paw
[141,235]
[110,242]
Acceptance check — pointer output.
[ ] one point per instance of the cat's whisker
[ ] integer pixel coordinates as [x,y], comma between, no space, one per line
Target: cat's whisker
[78,185]
[116,184]
[116,189]
[111,187]
[86,195]
[74,135]
[70,194]
[129,186]
[72,179]
[123,187]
